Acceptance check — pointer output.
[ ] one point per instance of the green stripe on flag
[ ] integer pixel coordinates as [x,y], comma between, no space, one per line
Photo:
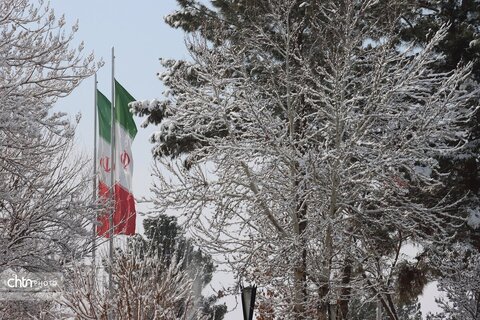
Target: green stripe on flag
[104,117]
[123,116]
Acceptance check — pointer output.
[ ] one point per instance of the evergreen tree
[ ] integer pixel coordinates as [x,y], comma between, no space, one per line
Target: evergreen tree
[461,45]
[164,240]
[410,311]
[460,168]
[462,42]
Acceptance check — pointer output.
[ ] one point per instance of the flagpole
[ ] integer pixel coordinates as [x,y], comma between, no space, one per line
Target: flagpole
[112,177]
[94,193]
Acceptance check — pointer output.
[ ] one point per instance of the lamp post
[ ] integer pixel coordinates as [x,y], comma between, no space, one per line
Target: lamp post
[248,301]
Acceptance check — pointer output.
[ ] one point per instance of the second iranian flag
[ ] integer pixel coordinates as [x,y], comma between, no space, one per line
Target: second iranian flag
[125,130]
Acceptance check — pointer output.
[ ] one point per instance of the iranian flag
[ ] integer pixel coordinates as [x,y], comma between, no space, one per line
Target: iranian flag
[125,130]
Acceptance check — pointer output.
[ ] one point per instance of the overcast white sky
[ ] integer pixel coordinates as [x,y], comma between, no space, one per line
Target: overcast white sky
[140,37]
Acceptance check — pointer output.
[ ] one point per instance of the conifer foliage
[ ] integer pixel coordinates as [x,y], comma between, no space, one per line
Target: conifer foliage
[461,45]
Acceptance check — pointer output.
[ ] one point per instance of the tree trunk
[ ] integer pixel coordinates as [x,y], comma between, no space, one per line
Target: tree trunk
[300,271]
[323,309]
[342,310]
[379,310]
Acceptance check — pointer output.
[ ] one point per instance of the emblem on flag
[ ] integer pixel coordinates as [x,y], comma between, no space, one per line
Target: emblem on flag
[104,163]
[125,159]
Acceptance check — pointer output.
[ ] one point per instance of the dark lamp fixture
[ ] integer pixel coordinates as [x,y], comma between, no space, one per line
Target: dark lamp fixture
[248,301]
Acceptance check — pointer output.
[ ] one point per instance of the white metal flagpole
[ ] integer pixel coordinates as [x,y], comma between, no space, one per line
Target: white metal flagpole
[112,176]
[94,193]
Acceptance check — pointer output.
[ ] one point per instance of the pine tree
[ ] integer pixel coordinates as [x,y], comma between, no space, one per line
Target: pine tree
[460,168]
[163,239]
[461,45]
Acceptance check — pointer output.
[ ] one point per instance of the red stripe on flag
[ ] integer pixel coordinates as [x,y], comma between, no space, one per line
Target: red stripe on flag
[124,218]
[125,215]
[104,195]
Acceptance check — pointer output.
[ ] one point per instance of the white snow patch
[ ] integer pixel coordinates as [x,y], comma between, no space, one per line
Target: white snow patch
[153,105]
[427,299]
[474,43]
[473,219]
[375,185]
[423,170]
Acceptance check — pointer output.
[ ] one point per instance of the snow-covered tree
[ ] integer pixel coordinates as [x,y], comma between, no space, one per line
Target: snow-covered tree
[46,209]
[44,205]
[164,239]
[460,168]
[460,284]
[145,287]
[304,146]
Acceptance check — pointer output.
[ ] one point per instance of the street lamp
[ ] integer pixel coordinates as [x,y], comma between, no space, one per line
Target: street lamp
[248,301]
